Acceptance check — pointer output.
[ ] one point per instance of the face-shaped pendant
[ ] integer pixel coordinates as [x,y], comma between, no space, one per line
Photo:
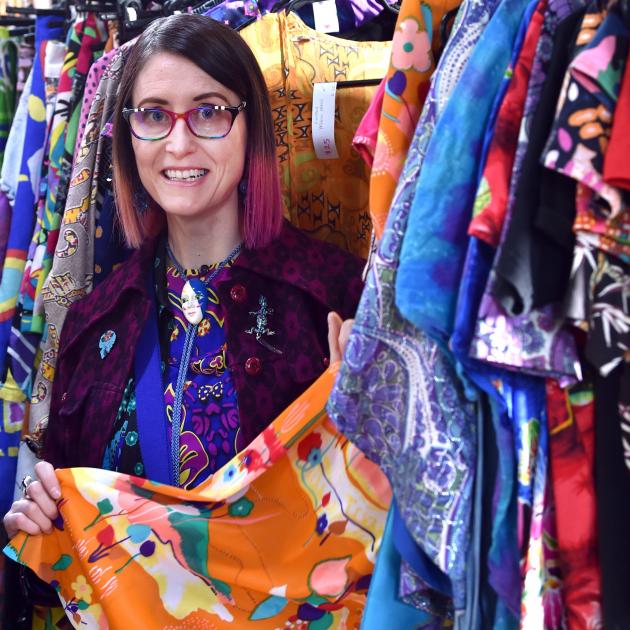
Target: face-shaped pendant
[194,300]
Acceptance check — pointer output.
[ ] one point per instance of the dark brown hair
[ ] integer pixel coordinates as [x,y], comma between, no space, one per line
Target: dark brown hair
[220,52]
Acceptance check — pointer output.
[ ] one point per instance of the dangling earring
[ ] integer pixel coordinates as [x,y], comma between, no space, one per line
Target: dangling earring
[141,201]
[242,187]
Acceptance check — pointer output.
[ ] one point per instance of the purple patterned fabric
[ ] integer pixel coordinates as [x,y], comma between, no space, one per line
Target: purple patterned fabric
[302,279]
[209,417]
[397,395]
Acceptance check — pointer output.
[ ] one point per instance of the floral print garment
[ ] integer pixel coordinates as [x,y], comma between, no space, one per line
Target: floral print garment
[599,298]
[571,417]
[415,45]
[284,535]
[209,418]
[577,143]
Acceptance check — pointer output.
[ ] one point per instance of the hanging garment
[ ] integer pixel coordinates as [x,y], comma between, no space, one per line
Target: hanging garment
[23,219]
[434,245]
[571,416]
[387,357]
[25,58]
[72,268]
[5,225]
[8,78]
[534,259]
[601,263]
[515,401]
[86,40]
[612,479]
[23,343]
[95,74]
[326,198]
[536,343]
[519,558]
[221,555]
[22,346]
[15,144]
[351,14]
[615,171]
[608,343]
[415,45]
[93,37]
[11,417]
[492,195]
[383,608]
[583,123]
[364,141]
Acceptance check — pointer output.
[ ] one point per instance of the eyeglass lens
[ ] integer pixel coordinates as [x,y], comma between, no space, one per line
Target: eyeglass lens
[206,122]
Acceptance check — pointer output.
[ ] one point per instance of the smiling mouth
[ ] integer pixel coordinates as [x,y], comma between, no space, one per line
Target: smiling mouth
[188,175]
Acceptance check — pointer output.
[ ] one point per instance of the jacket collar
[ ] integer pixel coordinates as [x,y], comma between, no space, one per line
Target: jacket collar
[291,245]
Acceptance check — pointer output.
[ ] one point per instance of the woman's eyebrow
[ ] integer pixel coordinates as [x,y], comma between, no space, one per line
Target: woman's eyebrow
[160,101]
[152,99]
[205,95]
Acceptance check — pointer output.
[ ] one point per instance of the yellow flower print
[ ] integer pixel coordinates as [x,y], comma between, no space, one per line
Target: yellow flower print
[82,589]
[204,327]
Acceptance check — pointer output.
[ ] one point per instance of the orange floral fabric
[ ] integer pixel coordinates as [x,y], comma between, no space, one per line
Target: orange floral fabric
[415,46]
[287,532]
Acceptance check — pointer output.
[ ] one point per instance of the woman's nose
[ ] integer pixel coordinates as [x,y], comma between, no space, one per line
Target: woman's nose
[181,140]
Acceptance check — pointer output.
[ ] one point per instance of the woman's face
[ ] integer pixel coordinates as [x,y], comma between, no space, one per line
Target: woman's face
[187,176]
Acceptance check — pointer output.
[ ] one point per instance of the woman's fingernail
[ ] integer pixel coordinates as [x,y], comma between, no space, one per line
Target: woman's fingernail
[56,493]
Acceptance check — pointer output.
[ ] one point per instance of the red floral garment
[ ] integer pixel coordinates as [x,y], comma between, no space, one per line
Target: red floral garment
[571,418]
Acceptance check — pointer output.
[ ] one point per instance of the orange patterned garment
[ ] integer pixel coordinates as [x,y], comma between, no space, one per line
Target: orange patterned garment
[286,533]
[415,46]
[326,198]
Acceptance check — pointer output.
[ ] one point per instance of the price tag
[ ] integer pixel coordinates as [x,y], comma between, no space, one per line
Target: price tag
[325,15]
[324,121]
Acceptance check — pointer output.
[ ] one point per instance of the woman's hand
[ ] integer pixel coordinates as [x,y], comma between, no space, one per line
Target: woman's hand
[338,335]
[34,513]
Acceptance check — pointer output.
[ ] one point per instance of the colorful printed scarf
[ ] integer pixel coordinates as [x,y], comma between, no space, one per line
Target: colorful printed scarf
[287,532]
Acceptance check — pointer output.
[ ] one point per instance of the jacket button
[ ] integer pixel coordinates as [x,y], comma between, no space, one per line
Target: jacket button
[64,397]
[253,366]
[325,361]
[238,293]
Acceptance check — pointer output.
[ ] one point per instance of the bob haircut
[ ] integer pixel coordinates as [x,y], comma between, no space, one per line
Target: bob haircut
[220,52]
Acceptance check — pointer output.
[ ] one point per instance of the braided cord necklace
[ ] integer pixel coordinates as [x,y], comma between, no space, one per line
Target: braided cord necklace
[189,342]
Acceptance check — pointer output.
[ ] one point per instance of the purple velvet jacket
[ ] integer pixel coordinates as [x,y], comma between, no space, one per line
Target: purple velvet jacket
[302,280]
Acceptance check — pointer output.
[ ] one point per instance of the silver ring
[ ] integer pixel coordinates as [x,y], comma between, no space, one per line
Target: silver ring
[26,482]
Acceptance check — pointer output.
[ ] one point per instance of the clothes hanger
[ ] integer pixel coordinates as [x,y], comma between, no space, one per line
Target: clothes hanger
[9,20]
[358,83]
[25,32]
[31,11]
[201,8]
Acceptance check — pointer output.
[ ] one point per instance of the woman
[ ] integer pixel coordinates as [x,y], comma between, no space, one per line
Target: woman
[219,318]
